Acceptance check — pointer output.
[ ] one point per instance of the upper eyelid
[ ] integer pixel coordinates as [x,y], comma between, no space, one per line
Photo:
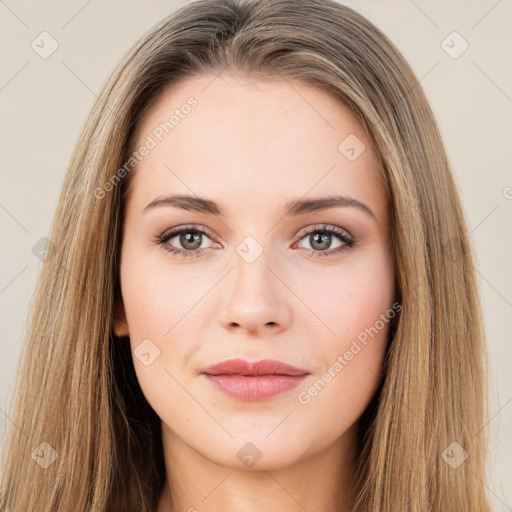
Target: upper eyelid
[171,233]
[328,227]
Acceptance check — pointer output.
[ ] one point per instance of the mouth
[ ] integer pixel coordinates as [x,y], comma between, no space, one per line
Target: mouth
[254,381]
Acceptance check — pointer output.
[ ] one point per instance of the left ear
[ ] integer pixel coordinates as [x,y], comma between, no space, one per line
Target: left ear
[120,326]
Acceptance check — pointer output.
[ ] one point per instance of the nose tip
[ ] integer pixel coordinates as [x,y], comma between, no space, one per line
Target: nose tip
[255,298]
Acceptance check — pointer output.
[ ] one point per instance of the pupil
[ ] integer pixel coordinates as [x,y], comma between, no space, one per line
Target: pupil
[192,238]
[322,238]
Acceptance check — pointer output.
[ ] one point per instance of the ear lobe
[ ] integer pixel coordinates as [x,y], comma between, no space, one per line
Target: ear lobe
[121,329]
[120,324]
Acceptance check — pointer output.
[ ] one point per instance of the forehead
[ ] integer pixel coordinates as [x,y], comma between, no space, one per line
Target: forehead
[216,135]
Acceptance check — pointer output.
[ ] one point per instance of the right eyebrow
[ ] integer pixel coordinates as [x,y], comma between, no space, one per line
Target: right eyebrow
[190,203]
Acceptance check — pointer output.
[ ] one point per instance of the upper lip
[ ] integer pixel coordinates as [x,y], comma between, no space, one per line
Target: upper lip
[264,367]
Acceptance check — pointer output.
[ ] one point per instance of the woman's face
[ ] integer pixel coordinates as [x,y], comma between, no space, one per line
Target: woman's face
[261,168]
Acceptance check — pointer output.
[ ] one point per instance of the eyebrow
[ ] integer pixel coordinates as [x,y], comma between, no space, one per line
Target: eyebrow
[294,207]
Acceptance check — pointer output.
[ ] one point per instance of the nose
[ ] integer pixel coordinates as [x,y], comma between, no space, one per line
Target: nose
[255,298]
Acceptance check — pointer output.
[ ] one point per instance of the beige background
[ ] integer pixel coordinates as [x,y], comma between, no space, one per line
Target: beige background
[44,103]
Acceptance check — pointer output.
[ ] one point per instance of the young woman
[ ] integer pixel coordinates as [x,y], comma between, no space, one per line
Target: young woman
[260,293]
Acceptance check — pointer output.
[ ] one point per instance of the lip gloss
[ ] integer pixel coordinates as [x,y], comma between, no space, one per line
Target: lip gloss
[254,387]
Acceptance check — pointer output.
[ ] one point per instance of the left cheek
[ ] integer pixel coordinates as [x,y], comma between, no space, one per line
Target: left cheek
[351,306]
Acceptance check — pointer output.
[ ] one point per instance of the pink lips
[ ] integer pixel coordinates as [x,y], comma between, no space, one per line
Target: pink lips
[254,381]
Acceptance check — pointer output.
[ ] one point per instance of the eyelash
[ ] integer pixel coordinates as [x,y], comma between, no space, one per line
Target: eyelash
[344,237]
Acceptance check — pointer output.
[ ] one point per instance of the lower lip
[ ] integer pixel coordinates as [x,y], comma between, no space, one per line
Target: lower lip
[255,388]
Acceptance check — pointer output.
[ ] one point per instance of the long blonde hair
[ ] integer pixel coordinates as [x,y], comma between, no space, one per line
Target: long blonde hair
[76,388]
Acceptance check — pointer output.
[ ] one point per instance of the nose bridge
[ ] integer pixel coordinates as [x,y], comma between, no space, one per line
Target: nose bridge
[254,297]
[251,270]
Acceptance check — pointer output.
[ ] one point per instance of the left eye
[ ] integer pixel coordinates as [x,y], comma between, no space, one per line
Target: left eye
[320,241]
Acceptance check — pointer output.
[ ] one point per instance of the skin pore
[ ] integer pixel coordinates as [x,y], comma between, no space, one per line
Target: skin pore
[254,146]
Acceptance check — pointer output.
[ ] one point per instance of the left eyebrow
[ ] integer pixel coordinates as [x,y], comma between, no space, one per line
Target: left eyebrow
[294,207]
[302,206]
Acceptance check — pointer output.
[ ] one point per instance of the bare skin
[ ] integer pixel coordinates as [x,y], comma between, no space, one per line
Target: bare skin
[253,146]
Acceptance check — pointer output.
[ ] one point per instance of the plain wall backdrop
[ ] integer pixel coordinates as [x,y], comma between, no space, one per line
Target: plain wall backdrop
[461,51]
